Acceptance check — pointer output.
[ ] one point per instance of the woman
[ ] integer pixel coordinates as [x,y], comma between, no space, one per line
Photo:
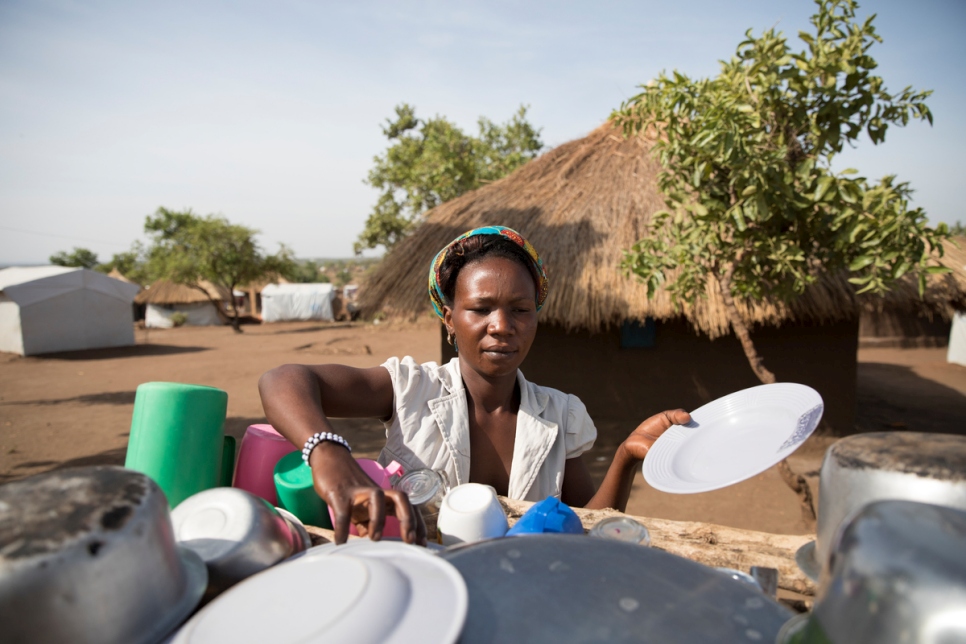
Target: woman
[476,418]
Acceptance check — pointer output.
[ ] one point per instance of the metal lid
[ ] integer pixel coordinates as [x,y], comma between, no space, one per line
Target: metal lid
[568,588]
[420,485]
[931,456]
[622,529]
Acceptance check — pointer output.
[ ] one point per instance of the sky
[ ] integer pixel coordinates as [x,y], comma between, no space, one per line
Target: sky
[269,113]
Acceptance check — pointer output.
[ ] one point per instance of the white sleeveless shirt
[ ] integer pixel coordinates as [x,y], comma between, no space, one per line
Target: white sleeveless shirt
[429,428]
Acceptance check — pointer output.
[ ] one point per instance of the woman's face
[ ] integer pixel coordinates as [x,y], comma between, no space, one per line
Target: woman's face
[494,315]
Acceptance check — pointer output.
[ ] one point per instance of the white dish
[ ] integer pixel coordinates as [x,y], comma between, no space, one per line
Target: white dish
[470,512]
[733,438]
[370,592]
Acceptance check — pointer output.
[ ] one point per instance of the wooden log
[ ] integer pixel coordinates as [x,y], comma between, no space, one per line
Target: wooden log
[706,543]
[709,544]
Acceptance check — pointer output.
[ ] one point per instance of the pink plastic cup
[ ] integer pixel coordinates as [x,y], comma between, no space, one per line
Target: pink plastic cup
[261,448]
[382,477]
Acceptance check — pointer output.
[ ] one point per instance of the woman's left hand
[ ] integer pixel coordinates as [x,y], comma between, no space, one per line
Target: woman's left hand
[641,439]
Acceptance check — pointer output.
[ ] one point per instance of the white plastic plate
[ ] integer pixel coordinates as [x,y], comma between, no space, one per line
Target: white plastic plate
[386,592]
[733,438]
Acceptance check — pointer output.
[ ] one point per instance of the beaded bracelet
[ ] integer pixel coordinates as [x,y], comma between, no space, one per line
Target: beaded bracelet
[320,437]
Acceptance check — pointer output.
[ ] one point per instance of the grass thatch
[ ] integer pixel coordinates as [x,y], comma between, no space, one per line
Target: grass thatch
[167,292]
[582,204]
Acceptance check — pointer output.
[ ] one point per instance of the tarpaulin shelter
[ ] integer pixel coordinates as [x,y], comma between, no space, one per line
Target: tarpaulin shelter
[957,340]
[57,308]
[288,302]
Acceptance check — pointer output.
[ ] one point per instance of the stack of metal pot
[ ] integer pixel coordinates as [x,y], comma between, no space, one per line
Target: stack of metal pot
[890,553]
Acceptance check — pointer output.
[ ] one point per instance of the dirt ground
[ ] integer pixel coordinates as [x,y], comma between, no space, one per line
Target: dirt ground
[75,408]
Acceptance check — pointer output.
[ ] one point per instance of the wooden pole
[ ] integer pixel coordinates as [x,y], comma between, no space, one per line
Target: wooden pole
[705,543]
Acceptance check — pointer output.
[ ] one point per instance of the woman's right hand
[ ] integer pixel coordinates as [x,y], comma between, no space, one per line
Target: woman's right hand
[354,497]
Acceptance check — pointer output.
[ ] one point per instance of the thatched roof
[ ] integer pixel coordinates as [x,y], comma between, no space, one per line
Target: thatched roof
[118,275]
[166,292]
[582,204]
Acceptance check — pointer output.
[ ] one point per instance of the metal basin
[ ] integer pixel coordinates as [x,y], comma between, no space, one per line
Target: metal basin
[236,534]
[897,574]
[930,468]
[88,555]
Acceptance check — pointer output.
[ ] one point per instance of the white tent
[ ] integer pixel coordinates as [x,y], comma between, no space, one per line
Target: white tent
[285,302]
[56,308]
[957,340]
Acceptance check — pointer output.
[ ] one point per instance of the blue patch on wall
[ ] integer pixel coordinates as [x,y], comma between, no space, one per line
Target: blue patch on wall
[636,334]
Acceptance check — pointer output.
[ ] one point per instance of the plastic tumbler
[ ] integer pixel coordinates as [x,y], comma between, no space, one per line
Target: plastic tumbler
[178,438]
[293,486]
[261,448]
[425,489]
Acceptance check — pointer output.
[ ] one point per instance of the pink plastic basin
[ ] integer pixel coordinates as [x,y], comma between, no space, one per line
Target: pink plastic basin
[261,448]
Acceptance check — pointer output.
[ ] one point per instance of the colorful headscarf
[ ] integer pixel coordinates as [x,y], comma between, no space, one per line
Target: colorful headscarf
[436,293]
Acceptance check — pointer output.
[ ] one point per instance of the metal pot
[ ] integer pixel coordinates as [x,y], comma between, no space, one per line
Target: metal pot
[236,534]
[88,555]
[897,574]
[857,470]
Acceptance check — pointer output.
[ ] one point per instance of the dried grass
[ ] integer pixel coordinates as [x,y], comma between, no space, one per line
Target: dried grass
[582,204]
[167,292]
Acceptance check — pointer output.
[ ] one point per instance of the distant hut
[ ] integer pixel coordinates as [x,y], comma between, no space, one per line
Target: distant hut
[912,325]
[118,275]
[582,204]
[253,293]
[164,299]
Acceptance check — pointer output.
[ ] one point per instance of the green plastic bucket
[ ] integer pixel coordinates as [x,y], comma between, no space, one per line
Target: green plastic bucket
[293,484]
[178,438]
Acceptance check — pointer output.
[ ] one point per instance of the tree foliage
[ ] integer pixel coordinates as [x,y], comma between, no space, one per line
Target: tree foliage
[131,264]
[747,172]
[308,271]
[79,257]
[189,249]
[430,162]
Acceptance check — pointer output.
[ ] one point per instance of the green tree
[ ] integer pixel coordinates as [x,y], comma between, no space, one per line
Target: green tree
[957,229]
[308,271]
[79,257]
[753,202]
[189,249]
[131,264]
[430,162]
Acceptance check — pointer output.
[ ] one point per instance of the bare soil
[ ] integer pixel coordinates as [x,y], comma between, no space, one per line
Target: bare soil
[70,409]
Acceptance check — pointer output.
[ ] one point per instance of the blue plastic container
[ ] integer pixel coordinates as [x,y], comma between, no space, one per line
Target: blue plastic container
[548,516]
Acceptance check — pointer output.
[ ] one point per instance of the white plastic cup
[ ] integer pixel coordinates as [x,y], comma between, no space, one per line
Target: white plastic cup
[471,512]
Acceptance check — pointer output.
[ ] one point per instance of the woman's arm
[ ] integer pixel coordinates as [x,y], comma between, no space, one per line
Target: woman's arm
[578,488]
[298,400]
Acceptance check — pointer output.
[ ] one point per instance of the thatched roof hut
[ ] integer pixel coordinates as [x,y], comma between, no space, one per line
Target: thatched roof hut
[166,292]
[582,204]
[118,275]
